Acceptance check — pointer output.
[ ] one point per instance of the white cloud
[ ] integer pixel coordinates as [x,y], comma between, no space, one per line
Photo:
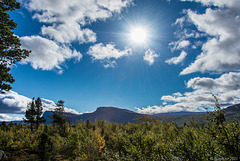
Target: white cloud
[67,33]
[4,117]
[226,88]
[227,82]
[114,5]
[219,3]
[150,56]
[178,45]
[12,117]
[47,54]
[66,19]
[64,22]
[107,54]
[220,25]
[221,52]
[177,60]
[13,103]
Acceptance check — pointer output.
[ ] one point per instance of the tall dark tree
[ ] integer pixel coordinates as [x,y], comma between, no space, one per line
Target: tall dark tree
[39,109]
[30,114]
[59,119]
[10,46]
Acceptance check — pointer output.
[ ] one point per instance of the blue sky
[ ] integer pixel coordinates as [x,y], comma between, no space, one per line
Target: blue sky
[84,52]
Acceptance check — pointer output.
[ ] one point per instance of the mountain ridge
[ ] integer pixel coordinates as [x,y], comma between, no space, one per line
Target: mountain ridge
[108,114]
[119,115]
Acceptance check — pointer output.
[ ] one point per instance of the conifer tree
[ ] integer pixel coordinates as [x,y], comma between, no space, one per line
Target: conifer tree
[39,109]
[30,114]
[10,46]
[34,113]
[58,117]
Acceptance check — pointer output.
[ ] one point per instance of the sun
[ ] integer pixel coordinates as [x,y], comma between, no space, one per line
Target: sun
[138,35]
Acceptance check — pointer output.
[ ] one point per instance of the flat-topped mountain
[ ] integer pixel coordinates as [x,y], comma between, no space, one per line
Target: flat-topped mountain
[108,114]
[118,115]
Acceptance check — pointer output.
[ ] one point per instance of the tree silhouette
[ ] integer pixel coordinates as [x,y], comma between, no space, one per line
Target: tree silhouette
[34,113]
[59,119]
[30,114]
[39,109]
[10,51]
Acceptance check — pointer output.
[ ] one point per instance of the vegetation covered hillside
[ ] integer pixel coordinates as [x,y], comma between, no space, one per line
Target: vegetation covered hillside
[148,139]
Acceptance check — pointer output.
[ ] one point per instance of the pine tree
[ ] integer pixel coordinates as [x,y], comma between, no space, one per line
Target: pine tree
[39,109]
[34,113]
[58,117]
[30,114]
[10,46]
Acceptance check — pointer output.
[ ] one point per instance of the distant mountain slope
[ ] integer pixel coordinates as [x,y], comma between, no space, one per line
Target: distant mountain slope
[233,112]
[108,114]
[118,115]
[234,108]
[111,114]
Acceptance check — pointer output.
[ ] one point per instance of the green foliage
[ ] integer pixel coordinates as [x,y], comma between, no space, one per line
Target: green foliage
[34,113]
[10,46]
[5,76]
[58,117]
[30,114]
[147,140]
[226,134]
[45,147]
[39,110]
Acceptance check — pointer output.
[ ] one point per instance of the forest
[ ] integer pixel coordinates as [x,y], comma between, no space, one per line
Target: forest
[148,139]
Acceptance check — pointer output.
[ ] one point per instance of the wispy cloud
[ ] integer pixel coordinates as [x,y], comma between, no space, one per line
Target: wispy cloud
[177,60]
[150,56]
[178,45]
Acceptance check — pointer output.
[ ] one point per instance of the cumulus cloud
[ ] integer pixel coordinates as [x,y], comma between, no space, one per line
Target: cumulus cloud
[63,23]
[227,82]
[66,19]
[177,60]
[13,103]
[150,56]
[226,88]
[218,35]
[47,54]
[107,54]
[67,33]
[221,52]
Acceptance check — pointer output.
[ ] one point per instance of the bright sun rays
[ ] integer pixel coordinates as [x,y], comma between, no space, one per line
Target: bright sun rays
[138,35]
